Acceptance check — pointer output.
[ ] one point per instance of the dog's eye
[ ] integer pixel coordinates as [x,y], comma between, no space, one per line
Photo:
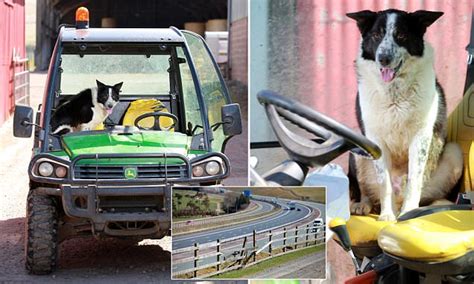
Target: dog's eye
[376,36]
[401,36]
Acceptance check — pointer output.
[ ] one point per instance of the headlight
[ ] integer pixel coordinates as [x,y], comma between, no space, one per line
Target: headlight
[198,171]
[208,167]
[60,171]
[213,168]
[50,168]
[45,169]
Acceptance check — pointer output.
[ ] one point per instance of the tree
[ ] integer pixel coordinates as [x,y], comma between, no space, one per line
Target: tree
[230,202]
[243,201]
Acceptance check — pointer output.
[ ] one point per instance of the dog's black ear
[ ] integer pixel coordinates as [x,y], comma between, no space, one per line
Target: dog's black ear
[118,86]
[426,18]
[100,84]
[365,20]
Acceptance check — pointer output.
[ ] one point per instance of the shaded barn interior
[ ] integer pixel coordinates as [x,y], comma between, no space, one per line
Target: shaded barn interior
[122,14]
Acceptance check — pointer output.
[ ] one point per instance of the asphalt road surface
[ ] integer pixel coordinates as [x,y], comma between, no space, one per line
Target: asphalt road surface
[220,221]
[264,207]
[284,217]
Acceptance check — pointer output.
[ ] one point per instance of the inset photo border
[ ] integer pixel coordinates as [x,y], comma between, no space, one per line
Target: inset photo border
[246,232]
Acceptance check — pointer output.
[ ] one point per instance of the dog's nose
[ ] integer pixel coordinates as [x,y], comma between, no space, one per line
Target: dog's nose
[110,105]
[384,59]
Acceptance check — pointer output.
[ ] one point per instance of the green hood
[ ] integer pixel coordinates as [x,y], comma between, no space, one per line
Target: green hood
[125,143]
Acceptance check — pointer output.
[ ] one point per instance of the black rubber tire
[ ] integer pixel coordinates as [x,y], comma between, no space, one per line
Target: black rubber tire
[41,244]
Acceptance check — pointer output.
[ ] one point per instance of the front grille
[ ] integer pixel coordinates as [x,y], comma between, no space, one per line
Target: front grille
[135,203]
[155,171]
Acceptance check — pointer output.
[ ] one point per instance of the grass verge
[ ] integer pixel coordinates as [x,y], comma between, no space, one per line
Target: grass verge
[246,272]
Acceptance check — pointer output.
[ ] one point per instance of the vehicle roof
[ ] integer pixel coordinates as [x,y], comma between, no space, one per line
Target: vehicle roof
[121,35]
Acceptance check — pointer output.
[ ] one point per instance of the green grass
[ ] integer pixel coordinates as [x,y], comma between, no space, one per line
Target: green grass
[264,265]
[214,199]
[316,194]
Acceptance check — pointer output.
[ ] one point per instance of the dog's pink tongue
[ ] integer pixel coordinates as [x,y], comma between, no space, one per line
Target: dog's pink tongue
[109,111]
[387,74]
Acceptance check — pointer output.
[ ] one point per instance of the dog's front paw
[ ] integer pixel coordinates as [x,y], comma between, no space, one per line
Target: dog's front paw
[387,217]
[361,208]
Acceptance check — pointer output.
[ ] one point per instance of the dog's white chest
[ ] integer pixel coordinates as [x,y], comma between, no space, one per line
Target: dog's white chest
[385,118]
[394,120]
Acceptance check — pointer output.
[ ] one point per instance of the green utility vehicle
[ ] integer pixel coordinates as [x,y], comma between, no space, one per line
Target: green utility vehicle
[170,127]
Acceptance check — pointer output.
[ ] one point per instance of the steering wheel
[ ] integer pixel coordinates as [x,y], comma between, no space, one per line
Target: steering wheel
[333,138]
[156,124]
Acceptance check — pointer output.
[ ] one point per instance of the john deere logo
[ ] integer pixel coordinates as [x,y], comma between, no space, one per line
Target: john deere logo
[130,173]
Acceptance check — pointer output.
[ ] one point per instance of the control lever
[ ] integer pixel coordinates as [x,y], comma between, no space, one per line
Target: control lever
[338,226]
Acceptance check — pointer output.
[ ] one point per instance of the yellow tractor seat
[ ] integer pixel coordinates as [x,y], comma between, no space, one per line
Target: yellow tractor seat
[140,107]
[364,231]
[441,243]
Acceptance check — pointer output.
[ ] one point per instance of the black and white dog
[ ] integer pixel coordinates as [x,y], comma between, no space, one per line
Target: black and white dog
[86,110]
[401,107]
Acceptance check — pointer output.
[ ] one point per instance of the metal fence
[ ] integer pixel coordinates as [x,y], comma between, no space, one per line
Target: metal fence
[21,79]
[205,260]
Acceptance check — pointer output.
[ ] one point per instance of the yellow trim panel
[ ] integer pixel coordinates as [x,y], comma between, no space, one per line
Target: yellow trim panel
[438,237]
[364,230]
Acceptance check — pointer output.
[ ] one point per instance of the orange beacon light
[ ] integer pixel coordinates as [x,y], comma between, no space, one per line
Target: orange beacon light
[82,18]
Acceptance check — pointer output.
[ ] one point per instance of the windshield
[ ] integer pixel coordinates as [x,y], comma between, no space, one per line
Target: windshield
[142,69]
[141,74]
[156,78]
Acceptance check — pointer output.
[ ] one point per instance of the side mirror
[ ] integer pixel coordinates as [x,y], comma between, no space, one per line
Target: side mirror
[23,121]
[232,119]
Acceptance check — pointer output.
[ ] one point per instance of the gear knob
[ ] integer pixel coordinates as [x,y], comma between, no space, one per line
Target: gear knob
[338,226]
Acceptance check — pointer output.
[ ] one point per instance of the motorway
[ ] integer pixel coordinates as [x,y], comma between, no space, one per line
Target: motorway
[209,223]
[284,217]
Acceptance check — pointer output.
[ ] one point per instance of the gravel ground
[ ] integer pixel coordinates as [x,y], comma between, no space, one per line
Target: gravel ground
[237,151]
[237,148]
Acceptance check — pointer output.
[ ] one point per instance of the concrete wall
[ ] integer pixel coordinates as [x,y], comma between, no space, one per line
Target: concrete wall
[259,41]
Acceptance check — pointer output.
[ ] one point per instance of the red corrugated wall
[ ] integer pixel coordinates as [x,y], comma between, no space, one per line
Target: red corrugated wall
[12,35]
[328,42]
